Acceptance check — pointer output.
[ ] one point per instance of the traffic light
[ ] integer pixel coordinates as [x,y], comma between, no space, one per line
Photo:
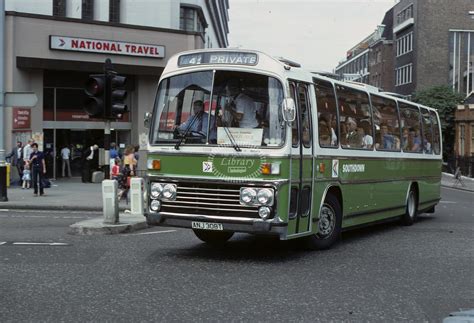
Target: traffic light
[95,90]
[117,96]
[106,94]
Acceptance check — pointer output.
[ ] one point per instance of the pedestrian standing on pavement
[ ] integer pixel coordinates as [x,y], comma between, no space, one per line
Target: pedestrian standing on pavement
[38,169]
[113,154]
[16,157]
[91,158]
[27,150]
[26,178]
[66,156]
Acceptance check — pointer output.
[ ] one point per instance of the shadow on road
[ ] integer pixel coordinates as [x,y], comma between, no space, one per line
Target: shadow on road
[269,249]
[241,247]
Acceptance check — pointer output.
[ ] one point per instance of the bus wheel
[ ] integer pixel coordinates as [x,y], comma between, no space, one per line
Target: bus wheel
[213,237]
[411,209]
[329,226]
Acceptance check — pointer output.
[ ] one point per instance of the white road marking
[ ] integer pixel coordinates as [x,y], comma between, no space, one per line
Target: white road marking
[447,202]
[144,233]
[2,242]
[40,244]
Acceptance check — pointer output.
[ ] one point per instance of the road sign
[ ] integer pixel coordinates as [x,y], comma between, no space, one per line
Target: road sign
[20,99]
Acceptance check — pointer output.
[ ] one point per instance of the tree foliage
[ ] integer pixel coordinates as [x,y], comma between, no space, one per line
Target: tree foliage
[445,101]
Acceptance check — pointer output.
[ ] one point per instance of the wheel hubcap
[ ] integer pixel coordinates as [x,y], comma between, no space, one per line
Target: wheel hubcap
[327,221]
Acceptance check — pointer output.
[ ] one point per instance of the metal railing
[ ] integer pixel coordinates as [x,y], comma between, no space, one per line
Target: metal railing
[465,164]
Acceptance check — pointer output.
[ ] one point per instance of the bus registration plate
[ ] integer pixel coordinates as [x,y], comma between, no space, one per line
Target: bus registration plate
[207,226]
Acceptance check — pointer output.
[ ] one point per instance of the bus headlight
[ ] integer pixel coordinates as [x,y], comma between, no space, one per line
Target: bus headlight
[156,190]
[265,196]
[247,195]
[155,205]
[264,212]
[169,192]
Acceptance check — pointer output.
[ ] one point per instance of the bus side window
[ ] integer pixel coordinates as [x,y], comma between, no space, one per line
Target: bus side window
[427,139]
[354,117]
[411,128]
[294,126]
[436,146]
[327,114]
[387,126]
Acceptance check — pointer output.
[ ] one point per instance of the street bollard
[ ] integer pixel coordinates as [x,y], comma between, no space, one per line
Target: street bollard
[136,196]
[3,177]
[110,201]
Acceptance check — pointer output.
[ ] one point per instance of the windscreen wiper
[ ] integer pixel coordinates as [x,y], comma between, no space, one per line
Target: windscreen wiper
[186,131]
[231,137]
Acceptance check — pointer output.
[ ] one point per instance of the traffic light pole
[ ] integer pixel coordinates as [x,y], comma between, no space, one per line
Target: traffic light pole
[108,71]
[3,166]
[106,150]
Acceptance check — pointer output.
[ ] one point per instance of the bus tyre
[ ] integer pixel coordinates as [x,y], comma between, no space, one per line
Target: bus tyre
[213,237]
[411,209]
[329,226]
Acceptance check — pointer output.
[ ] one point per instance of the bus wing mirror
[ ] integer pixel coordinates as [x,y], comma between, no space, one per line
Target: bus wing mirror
[289,110]
[147,119]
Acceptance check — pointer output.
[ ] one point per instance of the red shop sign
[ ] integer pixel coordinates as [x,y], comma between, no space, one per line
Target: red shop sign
[21,118]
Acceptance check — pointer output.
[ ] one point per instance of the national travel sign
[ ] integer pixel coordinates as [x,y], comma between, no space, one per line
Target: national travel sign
[102,46]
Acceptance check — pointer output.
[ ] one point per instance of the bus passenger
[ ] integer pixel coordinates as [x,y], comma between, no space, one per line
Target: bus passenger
[414,143]
[326,120]
[243,108]
[343,133]
[416,140]
[387,140]
[324,134]
[364,130]
[354,139]
[404,143]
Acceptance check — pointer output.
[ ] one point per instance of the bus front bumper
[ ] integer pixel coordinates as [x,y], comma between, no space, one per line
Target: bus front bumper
[234,224]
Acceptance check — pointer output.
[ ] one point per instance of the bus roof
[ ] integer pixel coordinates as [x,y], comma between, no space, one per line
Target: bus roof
[245,59]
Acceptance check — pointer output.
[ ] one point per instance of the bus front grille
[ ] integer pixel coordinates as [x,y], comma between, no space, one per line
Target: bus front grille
[209,199]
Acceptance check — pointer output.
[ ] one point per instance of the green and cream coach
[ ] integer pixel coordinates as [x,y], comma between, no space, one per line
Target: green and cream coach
[243,142]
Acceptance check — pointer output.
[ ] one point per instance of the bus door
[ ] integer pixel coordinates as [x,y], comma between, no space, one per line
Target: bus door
[301,162]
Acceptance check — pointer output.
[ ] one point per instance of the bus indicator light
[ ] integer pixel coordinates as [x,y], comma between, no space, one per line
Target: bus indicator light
[322,168]
[156,164]
[266,168]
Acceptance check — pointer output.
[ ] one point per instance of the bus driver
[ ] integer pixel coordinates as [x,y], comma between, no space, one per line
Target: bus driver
[199,121]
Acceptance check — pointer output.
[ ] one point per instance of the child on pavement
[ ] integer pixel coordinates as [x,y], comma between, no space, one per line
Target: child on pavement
[26,176]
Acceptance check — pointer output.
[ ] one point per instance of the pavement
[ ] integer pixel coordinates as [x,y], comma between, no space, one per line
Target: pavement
[64,194]
[465,183]
[72,195]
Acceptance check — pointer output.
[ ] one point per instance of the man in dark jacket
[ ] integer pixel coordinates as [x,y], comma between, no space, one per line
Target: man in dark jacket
[38,169]
[16,158]
[91,162]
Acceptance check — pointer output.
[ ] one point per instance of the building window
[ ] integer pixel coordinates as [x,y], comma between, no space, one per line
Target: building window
[461,61]
[472,140]
[190,20]
[59,8]
[405,44]
[462,137]
[88,9]
[114,11]
[405,14]
[404,75]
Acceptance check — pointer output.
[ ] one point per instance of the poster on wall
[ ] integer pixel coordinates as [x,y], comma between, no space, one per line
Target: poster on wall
[38,138]
[22,136]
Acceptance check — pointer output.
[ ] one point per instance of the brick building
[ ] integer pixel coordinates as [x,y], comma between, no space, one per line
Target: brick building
[465,128]
[433,44]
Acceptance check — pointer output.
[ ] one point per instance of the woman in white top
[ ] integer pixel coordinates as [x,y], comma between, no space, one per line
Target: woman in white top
[367,139]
